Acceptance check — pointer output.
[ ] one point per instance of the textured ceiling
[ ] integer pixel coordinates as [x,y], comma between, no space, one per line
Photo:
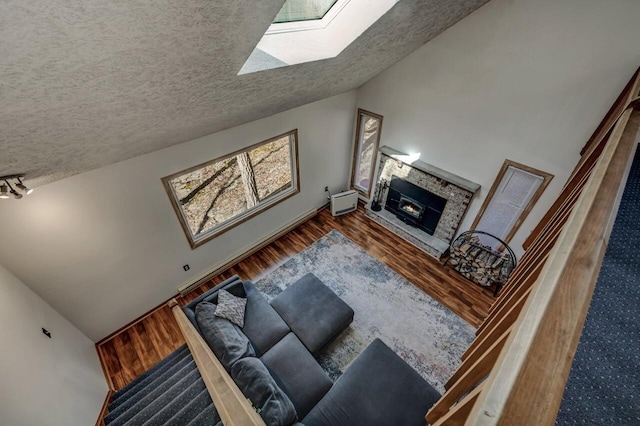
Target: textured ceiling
[86,83]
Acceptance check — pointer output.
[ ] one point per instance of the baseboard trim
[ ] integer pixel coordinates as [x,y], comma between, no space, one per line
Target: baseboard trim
[245,252]
[105,409]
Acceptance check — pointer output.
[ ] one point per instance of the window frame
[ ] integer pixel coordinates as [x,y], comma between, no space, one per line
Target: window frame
[199,239]
[311,23]
[291,42]
[546,179]
[356,151]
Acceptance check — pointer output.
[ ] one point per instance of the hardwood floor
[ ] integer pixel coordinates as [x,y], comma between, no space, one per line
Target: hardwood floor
[134,349]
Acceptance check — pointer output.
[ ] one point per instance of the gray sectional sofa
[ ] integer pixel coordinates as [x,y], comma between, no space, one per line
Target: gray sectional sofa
[378,388]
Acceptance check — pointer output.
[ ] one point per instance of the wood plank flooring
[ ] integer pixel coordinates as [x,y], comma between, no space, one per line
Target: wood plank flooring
[136,348]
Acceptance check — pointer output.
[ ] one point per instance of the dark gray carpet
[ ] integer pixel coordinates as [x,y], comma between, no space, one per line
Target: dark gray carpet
[604,384]
[170,393]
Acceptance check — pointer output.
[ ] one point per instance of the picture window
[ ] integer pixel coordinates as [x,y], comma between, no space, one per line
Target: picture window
[215,196]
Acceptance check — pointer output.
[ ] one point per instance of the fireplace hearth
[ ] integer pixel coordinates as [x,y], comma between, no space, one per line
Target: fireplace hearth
[419,202]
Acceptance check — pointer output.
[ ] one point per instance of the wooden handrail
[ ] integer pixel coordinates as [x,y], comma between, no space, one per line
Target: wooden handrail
[528,381]
[105,408]
[232,406]
[590,153]
[537,321]
[618,107]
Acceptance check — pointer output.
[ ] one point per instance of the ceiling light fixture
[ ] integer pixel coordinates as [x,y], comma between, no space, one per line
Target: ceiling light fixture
[6,188]
[15,193]
[22,187]
[4,191]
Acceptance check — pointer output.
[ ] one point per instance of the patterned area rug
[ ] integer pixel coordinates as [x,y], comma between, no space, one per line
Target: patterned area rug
[424,333]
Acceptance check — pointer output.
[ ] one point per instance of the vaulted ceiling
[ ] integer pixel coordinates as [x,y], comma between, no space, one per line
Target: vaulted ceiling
[87,83]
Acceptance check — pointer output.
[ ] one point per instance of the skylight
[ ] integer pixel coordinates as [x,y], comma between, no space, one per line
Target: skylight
[302,37]
[303,10]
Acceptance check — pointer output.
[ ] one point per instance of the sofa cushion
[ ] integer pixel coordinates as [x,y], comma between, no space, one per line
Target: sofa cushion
[297,373]
[257,384]
[378,389]
[231,307]
[313,311]
[226,339]
[262,324]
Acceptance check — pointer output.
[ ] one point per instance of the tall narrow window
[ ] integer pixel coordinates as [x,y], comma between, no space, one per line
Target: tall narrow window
[512,196]
[368,128]
[215,196]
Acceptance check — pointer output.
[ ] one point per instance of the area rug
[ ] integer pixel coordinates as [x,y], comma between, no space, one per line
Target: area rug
[428,336]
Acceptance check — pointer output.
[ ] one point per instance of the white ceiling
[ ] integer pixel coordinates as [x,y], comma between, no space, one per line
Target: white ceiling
[87,83]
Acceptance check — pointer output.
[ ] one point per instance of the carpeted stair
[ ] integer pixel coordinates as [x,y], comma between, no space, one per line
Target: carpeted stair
[604,384]
[170,393]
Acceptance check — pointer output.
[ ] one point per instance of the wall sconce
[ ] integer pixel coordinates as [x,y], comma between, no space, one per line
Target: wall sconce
[7,190]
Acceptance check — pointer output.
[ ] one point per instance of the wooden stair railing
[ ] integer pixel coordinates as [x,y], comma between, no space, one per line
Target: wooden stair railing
[515,371]
[232,406]
[105,408]
[592,149]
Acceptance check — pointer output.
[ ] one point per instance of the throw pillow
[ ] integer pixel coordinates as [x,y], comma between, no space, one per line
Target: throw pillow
[269,400]
[231,307]
[225,339]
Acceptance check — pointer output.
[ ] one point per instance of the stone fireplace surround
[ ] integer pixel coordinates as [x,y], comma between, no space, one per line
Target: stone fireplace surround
[457,190]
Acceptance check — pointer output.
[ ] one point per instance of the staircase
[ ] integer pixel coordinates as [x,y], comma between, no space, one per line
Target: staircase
[170,393]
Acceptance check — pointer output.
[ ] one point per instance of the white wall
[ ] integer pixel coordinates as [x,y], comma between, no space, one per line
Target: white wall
[526,80]
[105,246]
[44,381]
[519,79]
